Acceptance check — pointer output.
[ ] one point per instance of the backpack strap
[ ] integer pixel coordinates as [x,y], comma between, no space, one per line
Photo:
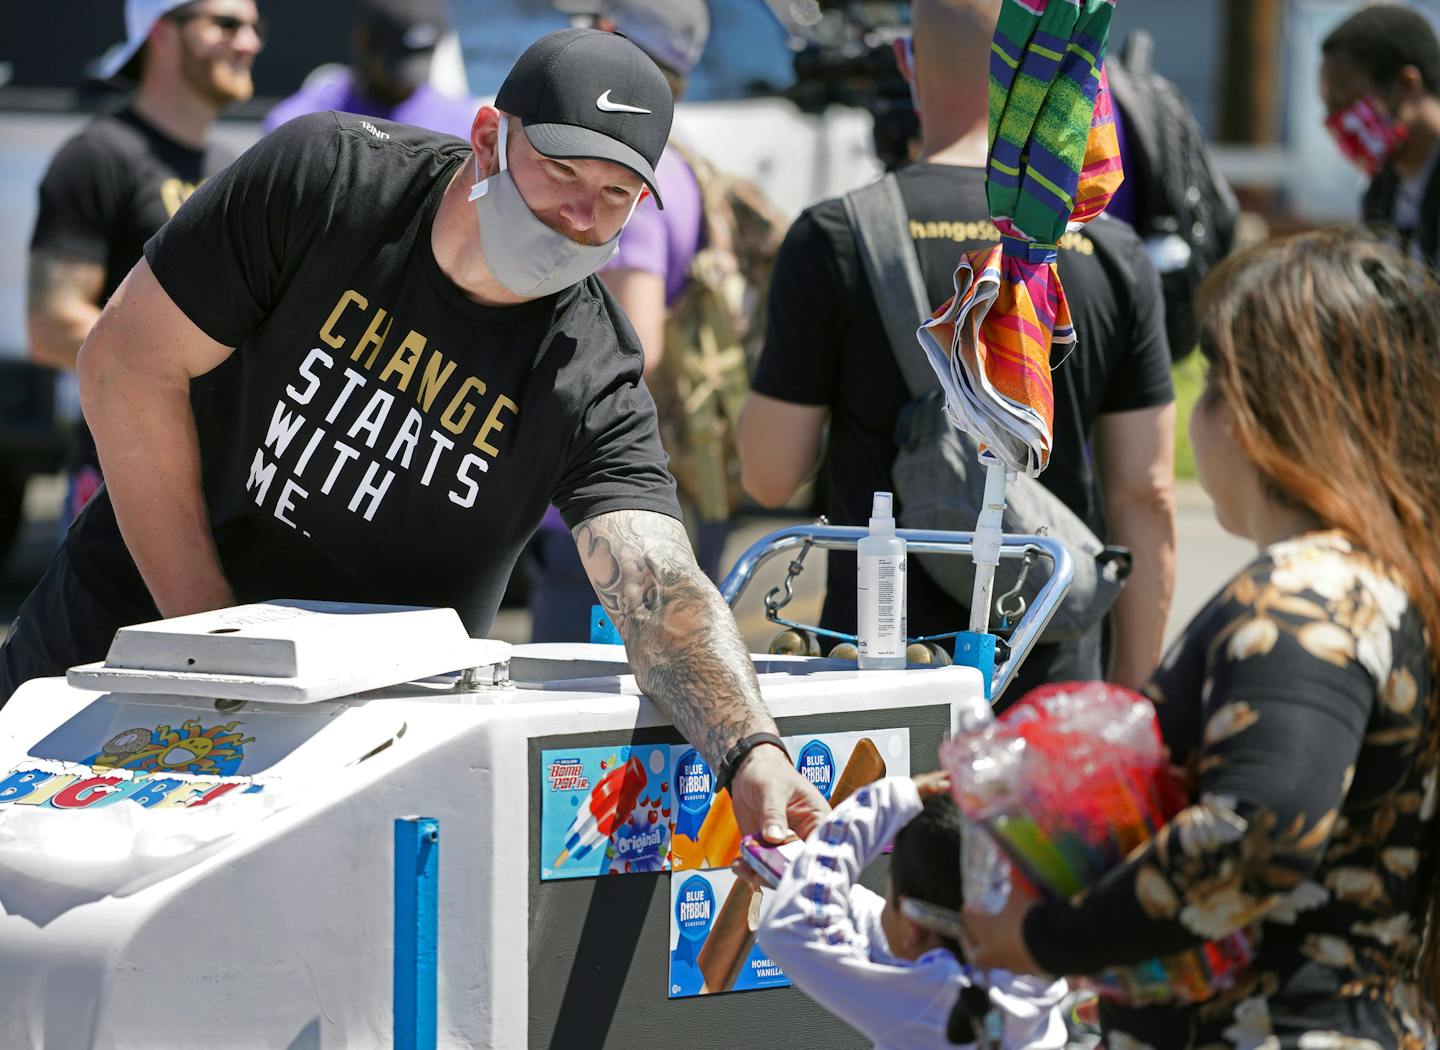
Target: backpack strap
[882,233]
[713,233]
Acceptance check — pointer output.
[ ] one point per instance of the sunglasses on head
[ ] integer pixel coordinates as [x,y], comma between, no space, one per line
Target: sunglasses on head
[228,25]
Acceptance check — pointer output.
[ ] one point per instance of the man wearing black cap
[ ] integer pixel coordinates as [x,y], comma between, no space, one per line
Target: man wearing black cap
[359,363]
[393,47]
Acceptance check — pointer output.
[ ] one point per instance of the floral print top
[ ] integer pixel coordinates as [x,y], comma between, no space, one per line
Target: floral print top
[1296,704]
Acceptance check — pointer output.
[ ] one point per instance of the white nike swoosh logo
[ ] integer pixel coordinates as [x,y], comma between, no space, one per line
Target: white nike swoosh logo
[603,103]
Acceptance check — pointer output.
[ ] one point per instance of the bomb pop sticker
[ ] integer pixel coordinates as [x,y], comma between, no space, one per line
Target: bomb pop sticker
[604,811]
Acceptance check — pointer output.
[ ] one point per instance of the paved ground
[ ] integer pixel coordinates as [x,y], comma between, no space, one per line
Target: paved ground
[1207,558]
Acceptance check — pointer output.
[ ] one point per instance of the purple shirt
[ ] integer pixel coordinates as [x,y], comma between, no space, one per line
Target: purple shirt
[425,108]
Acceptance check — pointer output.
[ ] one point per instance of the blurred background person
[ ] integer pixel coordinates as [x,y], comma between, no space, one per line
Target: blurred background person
[1302,701]
[1380,82]
[685,277]
[393,49]
[827,367]
[1174,195]
[112,186]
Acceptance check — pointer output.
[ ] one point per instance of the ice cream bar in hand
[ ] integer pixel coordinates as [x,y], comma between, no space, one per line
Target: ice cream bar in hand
[865,767]
[731,939]
[608,805]
[719,835]
[733,934]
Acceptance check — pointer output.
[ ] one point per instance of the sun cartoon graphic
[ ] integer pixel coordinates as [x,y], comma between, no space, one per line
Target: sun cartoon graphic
[217,751]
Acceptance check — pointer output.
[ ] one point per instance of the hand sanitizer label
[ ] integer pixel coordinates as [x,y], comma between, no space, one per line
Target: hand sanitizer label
[880,603]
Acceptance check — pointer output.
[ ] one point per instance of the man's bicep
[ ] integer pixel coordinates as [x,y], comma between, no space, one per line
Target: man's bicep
[144,332]
[779,445]
[58,279]
[636,560]
[1135,451]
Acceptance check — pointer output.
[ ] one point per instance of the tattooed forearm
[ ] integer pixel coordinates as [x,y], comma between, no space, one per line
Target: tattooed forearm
[681,638]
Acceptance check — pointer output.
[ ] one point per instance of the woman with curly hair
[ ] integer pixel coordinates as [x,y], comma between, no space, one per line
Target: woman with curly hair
[1303,701]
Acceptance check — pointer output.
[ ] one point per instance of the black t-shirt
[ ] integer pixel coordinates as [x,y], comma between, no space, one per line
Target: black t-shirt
[826,345]
[107,191]
[378,436]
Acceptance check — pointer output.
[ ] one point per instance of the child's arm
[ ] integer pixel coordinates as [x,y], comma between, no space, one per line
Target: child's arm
[814,922]
[1030,1010]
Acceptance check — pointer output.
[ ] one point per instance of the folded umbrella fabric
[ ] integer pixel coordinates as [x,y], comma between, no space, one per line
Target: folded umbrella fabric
[1054,164]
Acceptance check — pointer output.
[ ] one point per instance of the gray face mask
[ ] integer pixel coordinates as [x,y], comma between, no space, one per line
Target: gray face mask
[524,254]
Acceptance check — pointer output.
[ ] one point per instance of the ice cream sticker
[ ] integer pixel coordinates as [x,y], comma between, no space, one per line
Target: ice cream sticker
[605,811]
[816,763]
[713,917]
[608,811]
[706,833]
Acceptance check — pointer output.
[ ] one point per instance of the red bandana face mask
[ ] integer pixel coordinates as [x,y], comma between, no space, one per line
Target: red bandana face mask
[1366,134]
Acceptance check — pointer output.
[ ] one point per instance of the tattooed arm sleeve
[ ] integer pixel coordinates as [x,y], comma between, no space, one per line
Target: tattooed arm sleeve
[681,638]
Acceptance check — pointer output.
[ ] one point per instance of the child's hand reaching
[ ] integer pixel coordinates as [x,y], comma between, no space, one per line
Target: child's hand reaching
[931,784]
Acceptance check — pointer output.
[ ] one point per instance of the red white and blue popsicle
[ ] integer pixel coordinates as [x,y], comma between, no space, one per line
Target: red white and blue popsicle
[608,805]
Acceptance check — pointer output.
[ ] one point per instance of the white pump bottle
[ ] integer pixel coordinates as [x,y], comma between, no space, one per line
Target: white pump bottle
[880,590]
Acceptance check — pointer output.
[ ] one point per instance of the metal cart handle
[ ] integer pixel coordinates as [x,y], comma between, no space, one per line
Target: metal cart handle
[925,541]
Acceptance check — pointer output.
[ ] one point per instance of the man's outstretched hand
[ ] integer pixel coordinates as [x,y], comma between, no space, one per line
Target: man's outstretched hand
[772,799]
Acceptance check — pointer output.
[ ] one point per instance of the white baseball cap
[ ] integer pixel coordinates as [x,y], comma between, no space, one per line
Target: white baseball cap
[140,18]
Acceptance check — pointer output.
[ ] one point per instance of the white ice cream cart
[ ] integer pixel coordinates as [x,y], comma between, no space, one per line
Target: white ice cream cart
[204,843]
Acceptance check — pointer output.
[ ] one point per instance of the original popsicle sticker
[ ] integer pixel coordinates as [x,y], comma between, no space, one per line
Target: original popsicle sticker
[605,811]
[838,764]
[713,917]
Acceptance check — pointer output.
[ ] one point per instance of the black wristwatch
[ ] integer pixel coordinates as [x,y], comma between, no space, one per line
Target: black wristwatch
[731,760]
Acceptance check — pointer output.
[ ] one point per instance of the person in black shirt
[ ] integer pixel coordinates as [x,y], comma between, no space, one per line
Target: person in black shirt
[1380,82]
[826,357]
[358,365]
[114,184]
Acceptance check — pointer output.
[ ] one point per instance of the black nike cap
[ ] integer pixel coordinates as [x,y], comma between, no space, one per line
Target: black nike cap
[589,95]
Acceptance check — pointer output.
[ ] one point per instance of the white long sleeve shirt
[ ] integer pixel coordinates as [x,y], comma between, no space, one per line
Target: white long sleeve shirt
[825,932]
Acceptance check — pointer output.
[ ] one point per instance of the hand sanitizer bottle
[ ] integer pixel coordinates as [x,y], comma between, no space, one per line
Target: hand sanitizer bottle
[880,587]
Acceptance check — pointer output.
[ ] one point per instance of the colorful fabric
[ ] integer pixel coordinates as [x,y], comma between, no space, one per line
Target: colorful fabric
[1054,164]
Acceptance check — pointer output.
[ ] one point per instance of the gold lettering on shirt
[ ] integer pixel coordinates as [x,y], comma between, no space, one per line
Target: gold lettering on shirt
[327,330]
[492,423]
[343,424]
[433,379]
[448,420]
[175,192]
[375,336]
[986,231]
[405,358]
